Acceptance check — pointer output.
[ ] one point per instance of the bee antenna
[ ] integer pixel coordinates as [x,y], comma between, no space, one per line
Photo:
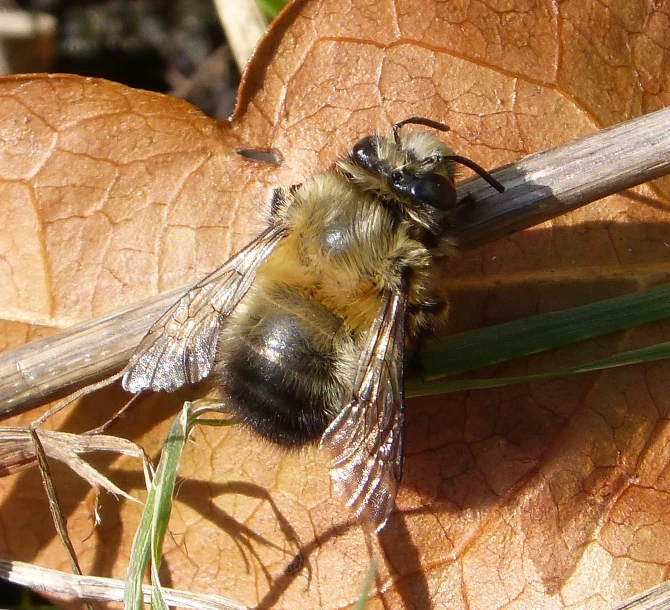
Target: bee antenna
[475,168]
[417,120]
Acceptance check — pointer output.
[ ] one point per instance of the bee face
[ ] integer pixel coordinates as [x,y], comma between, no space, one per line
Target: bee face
[305,328]
[411,171]
[406,173]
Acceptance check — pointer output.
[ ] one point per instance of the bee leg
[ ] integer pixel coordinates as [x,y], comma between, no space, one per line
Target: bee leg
[413,366]
[438,314]
[432,315]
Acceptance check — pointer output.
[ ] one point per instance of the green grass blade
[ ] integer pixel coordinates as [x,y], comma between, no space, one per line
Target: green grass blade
[148,542]
[164,483]
[478,348]
[139,557]
[150,535]
[645,354]
[367,586]
[271,8]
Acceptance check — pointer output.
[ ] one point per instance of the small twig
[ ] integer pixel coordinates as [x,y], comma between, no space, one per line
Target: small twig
[209,69]
[54,506]
[243,24]
[102,589]
[656,598]
[25,24]
[81,355]
[22,26]
[64,402]
[538,187]
[17,451]
[556,181]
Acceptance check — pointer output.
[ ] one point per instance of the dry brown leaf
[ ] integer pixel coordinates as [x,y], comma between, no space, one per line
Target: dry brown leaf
[555,494]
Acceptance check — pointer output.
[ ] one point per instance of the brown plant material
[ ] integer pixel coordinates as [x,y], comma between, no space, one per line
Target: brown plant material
[550,494]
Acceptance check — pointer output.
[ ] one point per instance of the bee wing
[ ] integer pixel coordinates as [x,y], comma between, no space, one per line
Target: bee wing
[181,346]
[366,438]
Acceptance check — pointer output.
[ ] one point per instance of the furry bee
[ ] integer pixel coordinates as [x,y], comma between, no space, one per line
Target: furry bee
[305,328]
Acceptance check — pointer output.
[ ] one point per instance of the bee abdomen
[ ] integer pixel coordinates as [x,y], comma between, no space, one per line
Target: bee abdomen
[279,367]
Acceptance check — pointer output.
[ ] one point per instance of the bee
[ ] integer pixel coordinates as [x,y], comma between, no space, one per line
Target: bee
[305,329]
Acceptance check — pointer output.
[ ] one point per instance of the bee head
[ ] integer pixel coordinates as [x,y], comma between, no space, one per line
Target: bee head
[413,170]
[410,167]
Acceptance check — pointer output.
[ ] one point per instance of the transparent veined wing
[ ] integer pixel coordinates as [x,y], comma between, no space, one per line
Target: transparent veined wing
[180,347]
[366,438]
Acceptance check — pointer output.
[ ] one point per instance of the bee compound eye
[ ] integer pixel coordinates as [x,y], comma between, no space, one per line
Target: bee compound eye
[436,191]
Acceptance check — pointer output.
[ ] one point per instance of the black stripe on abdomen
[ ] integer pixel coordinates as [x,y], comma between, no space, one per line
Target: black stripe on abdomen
[278,368]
